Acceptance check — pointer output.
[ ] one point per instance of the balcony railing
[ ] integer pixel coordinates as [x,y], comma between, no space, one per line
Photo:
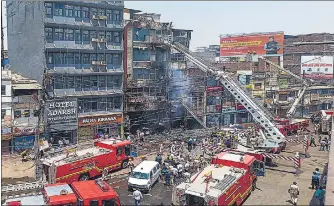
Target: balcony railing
[99,17]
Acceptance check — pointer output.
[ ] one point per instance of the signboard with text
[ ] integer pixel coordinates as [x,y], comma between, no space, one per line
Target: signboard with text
[101,119]
[264,44]
[62,112]
[317,67]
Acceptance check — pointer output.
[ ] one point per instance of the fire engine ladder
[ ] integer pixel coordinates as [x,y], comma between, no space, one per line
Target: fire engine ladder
[306,84]
[273,135]
[225,183]
[192,113]
[24,186]
[68,148]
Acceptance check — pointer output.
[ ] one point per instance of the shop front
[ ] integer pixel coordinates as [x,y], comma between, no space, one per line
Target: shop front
[97,125]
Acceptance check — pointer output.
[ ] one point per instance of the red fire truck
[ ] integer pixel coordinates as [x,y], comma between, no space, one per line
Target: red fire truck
[289,127]
[90,192]
[227,181]
[86,162]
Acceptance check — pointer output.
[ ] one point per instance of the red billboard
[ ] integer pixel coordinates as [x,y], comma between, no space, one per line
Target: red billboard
[268,44]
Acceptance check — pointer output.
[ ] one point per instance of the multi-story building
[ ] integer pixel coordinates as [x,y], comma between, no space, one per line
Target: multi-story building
[26,112]
[151,71]
[6,111]
[210,53]
[76,46]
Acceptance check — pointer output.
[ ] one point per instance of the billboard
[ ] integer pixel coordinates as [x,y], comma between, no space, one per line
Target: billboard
[317,66]
[62,114]
[266,44]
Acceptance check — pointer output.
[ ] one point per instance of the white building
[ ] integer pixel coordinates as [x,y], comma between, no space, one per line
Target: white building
[6,110]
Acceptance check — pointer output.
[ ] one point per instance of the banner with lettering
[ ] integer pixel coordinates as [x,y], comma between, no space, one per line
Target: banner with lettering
[24,142]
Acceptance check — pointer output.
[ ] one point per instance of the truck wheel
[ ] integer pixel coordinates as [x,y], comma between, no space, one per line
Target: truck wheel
[124,164]
[254,185]
[84,177]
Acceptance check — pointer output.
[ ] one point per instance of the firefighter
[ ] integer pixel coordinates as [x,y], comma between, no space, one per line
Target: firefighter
[158,159]
[131,165]
[294,193]
[315,181]
[320,196]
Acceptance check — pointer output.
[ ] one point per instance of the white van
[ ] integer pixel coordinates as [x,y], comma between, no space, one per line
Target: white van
[144,176]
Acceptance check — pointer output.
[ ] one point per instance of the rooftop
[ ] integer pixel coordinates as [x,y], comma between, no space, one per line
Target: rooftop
[222,179]
[21,82]
[91,190]
[75,156]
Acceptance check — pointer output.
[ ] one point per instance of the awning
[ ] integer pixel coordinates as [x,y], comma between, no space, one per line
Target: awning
[26,86]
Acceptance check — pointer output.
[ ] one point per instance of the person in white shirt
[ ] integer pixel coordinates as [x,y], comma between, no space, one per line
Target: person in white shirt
[294,193]
[137,196]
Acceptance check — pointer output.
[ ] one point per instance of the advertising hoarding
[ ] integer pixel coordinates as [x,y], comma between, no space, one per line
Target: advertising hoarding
[317,66]
[62,112]
[266,44]
[101,119]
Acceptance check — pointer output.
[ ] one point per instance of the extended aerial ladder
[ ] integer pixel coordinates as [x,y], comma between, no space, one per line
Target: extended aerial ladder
[273,138]
[305,84]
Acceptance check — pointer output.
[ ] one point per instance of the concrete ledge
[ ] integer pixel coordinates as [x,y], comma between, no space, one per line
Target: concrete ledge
[329,198]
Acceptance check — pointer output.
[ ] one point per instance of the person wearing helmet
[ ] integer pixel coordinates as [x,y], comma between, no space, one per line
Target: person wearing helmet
[294,193]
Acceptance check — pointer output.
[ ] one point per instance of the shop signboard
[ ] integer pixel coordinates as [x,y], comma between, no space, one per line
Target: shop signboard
[62,112]
[264,44]
[24,142]
[317,67]
[99,120]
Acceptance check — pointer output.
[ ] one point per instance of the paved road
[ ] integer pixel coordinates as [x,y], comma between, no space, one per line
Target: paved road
[159,193]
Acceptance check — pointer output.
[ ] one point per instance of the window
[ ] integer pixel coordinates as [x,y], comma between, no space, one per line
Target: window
[49,58]
[3,113]
[117,102]
[48,34]
[85,58]
[59,34]
[109,36]
[59,9]
[101,57]
[68,11]
[77,12]
[110,104]
[93,80]
[93,57]
[102,12]
[69,58]
[117,16]
[119,151]
[257,86]
[116,59]
[86,82]
[94,203]
[102,104]
[92,34]
[109,15]
[102,81]
[85,12]
[155,169]
[70,82]
[77,59]
[117,81]
[17,114]
[85,36]
[26,113]
[48,8]
[94,104]
[110,82]
[117,38]
[69,35]
[77,35]
[111,202]
[326,69]
[59,58]
[3,89]
[93,11]
[58,83]
[101,34]
[78,83]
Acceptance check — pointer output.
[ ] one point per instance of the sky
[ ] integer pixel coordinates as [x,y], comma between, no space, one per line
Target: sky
[209,19]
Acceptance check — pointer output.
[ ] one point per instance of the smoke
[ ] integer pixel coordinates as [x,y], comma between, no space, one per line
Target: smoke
[179,88]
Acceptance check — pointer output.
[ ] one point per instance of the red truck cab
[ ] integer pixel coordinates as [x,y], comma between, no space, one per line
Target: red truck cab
[90,192]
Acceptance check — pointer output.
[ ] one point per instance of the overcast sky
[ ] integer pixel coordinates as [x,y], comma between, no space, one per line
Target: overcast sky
[210,19]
